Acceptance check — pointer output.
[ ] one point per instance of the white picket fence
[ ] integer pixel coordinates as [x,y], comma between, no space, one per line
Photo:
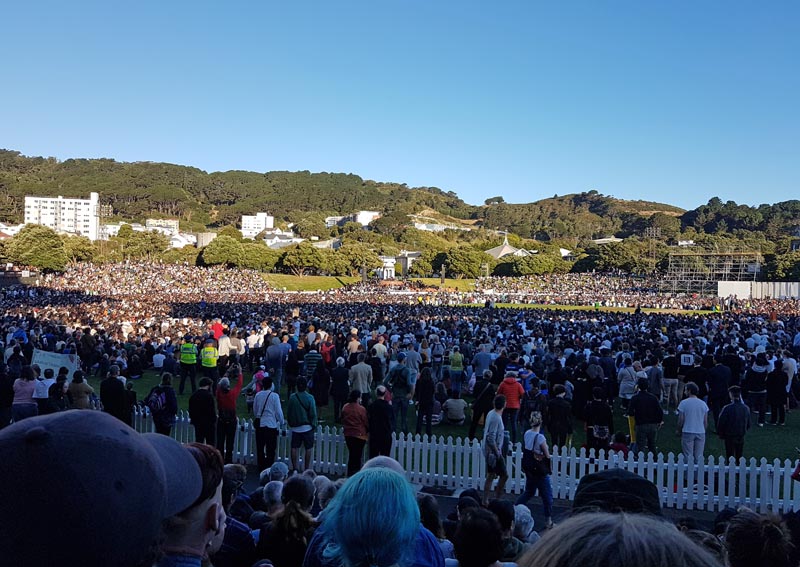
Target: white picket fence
[459,463]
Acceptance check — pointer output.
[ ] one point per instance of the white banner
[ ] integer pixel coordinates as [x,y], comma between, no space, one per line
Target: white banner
[55,361]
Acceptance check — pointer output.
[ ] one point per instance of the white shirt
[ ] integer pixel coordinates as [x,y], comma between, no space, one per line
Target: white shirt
[42,387]
[271,415]
[158,360]
[694,412]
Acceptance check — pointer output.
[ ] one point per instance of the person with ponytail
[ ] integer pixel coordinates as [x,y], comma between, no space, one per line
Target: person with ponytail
[284,540]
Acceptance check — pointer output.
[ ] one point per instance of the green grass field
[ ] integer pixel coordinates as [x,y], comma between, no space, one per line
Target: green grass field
[449,283]
[771,442]
[308,283]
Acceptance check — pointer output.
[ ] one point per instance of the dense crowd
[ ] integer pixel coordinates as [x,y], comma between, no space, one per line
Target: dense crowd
[381,357]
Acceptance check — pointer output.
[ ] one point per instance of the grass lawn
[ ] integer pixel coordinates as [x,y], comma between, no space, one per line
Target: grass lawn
[769,441]
[458,285]
[308,283]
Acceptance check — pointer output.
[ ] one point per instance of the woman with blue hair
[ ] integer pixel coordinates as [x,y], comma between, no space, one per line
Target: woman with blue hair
[373,522]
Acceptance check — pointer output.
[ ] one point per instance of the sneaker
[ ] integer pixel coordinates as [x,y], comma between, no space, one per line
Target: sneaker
[548,525]
[677,412]
[761,425]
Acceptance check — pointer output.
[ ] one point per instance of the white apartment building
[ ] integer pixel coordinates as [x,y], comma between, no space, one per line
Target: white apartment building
[173,225]
[365,217]
[252,225]
[75,216]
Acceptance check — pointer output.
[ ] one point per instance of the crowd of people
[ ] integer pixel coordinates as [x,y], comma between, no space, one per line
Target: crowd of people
[117,497]
[387,362]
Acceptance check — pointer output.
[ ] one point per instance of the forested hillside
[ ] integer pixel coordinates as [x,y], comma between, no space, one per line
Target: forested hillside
[214,200]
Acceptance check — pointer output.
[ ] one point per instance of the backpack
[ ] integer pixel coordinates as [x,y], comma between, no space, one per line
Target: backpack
[398,379]
[156,401]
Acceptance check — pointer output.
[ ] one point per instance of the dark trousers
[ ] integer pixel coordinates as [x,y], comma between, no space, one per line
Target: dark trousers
[226,432]
[222,364]
[400,407]
[477,413]
[380,446]
[355,450]
[540,484]
[427,413]
[190,371]
[266,446]
[646,437]
[338,404]
[758,403]
[205,433]
[510,422]
[734,447]
[778,411]
[558,438]
[716,405]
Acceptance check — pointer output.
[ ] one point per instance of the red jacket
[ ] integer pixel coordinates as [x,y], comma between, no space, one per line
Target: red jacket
[226,401]
[512,390]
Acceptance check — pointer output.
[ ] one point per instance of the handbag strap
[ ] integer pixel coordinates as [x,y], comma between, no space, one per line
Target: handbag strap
[265,405]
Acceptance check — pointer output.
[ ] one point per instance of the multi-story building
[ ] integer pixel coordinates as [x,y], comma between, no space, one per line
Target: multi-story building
[173,225]
[252,225]
[74,216]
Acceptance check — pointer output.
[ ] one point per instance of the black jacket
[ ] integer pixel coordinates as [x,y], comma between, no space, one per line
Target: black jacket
[202,410]
[112,395]
[340,383]
[718,382]
[560,416]
[734,421]
[423,392]
[381,419]
[645,409]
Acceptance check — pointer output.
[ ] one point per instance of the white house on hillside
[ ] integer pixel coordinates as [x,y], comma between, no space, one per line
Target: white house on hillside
[252,225]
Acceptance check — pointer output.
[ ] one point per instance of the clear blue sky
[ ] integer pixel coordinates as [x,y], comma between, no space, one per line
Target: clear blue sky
[668,101]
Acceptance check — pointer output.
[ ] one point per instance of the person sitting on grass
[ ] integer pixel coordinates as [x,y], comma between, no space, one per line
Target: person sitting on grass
[455,410]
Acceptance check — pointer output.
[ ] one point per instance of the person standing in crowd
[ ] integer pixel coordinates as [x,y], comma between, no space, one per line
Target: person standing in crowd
[268,421]
[456,369]
[756,383]
[163,405]
[227,394]
[361,377]
[112,395]
[648,416]
[276,356]
[23,405]
[777,393]
[381,424]
[599,422]
[733,423]
[719,380]
[493,440]
[536,480]
[424,392]
[671,365]
[513,392]
[311,361]
[302,418]
[484,396]
[356,424]
[340,388]
[80,392]
[692,423]
[209,356]
[627,379]
[399,382]
[560,417]
[203,413]
[41,389]
[188,354]
[284,539]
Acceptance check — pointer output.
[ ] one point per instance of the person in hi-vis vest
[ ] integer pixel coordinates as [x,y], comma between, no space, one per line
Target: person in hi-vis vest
[188,368]
[208,361]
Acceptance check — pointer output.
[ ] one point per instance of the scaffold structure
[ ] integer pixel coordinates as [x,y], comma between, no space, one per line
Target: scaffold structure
[698,271]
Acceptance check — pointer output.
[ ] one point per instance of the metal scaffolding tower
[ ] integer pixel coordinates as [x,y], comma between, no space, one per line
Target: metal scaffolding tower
[698,272]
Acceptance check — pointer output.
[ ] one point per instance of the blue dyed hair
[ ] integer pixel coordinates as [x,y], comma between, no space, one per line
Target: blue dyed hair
[373,521]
